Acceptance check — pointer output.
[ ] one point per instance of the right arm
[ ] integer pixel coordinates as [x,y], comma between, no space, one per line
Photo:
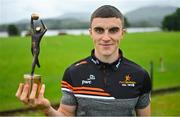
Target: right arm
[42,102]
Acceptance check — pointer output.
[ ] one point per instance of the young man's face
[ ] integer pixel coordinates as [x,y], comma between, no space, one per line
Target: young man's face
[106,34]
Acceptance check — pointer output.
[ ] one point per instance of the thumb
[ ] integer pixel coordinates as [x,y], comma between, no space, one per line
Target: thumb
[41,93]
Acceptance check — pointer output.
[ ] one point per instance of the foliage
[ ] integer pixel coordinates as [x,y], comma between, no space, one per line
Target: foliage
[13,30]
[172,22]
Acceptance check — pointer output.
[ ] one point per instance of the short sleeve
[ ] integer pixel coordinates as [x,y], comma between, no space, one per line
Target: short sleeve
[68,97]
[143,101]
[145,95]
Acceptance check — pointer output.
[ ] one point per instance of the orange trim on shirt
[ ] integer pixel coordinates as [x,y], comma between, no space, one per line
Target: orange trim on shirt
[90,92]
[87,88]
[67,84]
[82,62]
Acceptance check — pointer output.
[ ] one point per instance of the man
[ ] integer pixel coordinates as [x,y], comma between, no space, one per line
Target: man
[103,84]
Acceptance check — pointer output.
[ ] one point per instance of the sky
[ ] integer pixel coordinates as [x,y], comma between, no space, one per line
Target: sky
[16,10]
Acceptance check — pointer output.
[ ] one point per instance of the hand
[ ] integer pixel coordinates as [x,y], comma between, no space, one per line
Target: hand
[32,100]
[35,16]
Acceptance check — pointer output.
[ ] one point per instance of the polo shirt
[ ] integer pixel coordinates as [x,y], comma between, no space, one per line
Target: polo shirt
[103,89]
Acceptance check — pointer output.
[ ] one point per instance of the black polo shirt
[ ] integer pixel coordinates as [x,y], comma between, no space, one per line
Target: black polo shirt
[98,88]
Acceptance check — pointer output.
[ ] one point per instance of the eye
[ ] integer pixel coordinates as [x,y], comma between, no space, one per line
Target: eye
[99,30]
[114,30]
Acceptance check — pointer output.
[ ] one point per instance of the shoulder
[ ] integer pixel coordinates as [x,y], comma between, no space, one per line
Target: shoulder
[75,69]
[132,66]
[79,65]
[138,72]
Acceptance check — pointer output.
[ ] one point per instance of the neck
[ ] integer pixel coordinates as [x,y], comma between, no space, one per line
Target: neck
[109,58]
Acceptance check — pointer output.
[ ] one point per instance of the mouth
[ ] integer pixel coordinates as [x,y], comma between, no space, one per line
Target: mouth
[105,45]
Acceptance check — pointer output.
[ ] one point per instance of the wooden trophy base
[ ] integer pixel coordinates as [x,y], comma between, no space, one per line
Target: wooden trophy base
[33,79]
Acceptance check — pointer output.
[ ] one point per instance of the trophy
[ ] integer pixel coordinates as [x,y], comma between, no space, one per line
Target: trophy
[37,32]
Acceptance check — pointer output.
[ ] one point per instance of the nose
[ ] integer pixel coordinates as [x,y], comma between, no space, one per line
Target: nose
[106,36]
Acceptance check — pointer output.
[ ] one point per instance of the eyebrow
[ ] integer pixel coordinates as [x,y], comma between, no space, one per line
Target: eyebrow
[100,27]
[115,27]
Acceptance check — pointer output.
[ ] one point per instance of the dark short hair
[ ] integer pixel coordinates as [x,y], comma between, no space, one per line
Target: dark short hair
[107,11]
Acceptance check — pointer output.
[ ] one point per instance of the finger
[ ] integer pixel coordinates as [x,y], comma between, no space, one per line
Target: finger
[33,92]
[24,94]
[41,93]
[20,89]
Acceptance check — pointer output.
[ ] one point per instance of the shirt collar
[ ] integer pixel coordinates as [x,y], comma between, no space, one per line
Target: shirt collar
[115,65]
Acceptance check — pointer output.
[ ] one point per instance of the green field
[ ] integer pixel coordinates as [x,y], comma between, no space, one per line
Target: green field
[59,52]
[166,105]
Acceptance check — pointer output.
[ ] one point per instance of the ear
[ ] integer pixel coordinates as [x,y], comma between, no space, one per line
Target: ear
[90,32]
[124,31]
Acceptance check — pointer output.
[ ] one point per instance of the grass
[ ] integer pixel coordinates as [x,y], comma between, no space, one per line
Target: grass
[58,52]
[166,105]
[144,47]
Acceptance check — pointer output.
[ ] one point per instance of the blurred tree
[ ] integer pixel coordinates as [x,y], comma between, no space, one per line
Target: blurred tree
[172,21]
[13,30]
[126,23]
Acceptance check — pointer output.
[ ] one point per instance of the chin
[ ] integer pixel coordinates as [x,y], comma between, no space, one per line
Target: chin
[106,52]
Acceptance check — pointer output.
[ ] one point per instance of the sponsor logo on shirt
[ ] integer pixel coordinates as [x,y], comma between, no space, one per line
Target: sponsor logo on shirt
[89,79]
[127,81]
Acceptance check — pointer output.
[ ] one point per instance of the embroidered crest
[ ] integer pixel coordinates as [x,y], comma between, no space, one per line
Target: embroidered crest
[127,81]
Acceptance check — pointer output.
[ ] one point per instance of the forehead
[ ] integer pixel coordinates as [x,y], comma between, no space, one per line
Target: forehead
[106,22]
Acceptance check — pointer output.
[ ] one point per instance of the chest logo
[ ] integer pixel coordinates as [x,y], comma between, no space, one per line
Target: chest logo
[89,79]
[127,81]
